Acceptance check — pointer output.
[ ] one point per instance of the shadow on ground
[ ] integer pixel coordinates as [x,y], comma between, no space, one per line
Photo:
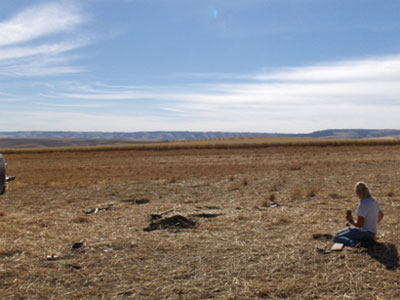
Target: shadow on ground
[385,253]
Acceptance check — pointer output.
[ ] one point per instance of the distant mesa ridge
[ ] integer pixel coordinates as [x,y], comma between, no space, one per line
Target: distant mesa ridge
[192,135]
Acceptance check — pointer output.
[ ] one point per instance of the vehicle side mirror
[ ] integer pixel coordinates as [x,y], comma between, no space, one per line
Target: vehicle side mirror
[4,179]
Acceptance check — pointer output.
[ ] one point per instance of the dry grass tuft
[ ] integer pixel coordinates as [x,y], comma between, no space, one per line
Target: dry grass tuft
[335,195]
[272,197]
[80,220]
[296,193]
[296,166]
[390,193]
[311,192]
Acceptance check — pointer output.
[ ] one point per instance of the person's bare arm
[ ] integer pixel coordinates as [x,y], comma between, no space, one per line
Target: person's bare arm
[380,216]
[359,223]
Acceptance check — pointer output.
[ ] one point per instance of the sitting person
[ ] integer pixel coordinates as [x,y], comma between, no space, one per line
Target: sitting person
[368,216]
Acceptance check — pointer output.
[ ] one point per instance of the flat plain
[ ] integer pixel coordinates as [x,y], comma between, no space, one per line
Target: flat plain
[239,223]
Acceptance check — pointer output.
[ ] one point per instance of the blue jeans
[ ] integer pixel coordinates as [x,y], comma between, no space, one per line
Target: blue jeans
[351,236]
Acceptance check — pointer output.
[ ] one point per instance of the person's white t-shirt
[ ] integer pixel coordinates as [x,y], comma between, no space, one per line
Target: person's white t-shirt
[369,209]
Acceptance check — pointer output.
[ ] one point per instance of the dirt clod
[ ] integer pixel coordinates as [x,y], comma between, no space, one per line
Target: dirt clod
[174,222]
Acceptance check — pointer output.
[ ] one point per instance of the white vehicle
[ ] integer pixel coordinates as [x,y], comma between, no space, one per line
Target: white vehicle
[4,179]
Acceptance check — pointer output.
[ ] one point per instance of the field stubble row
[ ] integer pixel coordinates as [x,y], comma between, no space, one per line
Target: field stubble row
[267,202]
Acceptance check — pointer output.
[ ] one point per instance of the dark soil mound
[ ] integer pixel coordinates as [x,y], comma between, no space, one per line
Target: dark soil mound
[174,222]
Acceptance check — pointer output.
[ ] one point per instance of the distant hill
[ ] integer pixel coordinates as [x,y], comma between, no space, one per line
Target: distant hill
[31,139]
[138,136]
[17,142]
[355,133]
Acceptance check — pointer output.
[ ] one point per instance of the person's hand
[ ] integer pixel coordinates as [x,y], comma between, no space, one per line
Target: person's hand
[349,219]
[349,216]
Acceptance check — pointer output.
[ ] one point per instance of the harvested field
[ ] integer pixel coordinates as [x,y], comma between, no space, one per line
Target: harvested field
[251,223]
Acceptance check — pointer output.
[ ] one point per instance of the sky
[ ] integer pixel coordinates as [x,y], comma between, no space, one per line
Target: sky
[276,66]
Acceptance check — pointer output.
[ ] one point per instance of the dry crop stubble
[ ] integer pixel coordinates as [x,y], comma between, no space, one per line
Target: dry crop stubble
[242,250]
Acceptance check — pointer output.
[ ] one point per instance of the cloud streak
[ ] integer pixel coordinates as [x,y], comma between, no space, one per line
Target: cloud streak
[383,68]
[360,93]
[352,81]
[46,49]
[38,21]
[36,41]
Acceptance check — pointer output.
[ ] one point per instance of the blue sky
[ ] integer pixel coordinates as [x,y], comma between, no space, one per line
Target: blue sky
[288,66]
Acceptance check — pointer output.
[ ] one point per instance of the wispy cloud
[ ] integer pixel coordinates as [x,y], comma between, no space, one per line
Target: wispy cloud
[46,49]
[360,93]
[379,68]
[350,94]
[38,21]
[37,41]
[350,81]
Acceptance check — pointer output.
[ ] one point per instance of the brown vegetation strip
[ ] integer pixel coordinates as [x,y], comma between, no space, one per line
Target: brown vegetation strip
[236,143]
